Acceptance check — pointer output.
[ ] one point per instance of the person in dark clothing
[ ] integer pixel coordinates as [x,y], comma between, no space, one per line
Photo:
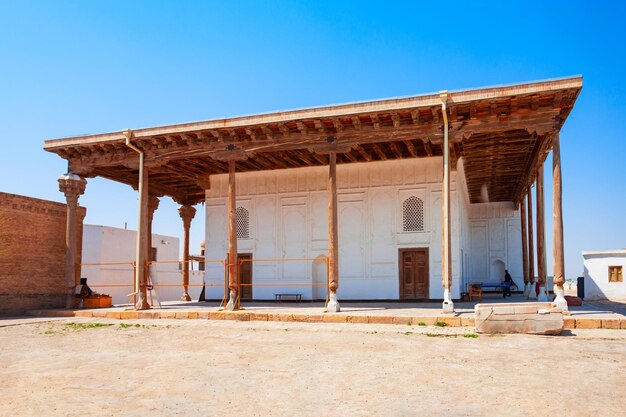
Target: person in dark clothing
[507,280]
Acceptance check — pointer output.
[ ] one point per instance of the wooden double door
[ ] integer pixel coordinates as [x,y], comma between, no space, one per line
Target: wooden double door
[414,277]
[245,275]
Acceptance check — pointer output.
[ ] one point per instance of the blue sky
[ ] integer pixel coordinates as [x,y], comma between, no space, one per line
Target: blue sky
[77,67]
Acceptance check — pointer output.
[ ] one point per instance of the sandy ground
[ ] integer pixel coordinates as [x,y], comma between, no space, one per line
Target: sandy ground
[205,368]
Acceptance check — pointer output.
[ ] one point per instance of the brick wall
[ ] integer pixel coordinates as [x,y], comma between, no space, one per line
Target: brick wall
[32,253]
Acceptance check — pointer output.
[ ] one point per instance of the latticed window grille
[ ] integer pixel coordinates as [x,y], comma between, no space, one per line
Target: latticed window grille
[243,223]
[413,215]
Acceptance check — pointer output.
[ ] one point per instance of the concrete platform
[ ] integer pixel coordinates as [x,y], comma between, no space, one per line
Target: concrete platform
[588,316]
[528,318]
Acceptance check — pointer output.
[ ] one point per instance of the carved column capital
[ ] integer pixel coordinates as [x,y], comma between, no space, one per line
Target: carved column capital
[153,205]
[187,213]
[72,186]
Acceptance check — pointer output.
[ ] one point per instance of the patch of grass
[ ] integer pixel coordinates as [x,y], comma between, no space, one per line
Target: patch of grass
[373,332]
[471,335]
[421,323]
[126,326]
[407,333]
[494,335]
[441,324]
[83,326]
[49,332]
[442,335]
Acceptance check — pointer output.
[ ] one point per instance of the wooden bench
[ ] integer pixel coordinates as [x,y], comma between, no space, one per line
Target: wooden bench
[281,296]
[475,291]
[476,288]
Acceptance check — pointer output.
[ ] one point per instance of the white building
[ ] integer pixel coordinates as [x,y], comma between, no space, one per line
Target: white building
[107,257]
[604,275]
[388,210]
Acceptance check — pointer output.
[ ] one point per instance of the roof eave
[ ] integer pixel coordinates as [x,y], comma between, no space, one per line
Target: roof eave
[427,100]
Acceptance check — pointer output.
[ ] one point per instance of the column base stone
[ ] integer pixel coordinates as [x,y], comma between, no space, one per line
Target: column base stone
[185,297]
[447,306]
[333,304]
[559,300]
[542,297]
[532,292]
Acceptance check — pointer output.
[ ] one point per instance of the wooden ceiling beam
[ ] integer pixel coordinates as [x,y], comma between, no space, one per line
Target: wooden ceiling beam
[304,157]
[322,159]
[351,157]
[264,162]
[427,148]
[379,152]
[395,149]
[275,161]
[363,153]
[287,158]
[411,148]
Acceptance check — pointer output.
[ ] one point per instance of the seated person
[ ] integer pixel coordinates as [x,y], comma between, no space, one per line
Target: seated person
[507,280]
[82,291]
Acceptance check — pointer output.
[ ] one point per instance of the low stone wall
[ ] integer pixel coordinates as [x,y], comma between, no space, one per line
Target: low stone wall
[530,318]
[32,253]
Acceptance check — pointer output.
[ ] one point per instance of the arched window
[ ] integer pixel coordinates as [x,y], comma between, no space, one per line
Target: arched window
[243,223]
[413,215]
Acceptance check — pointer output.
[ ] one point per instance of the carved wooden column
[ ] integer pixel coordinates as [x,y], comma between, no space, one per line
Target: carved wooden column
[524,246]
[558,253]
[232,239]
[532,293]
[187,213]
[72,186]
[143,236]
[541,237]
[333,235]
[446,249]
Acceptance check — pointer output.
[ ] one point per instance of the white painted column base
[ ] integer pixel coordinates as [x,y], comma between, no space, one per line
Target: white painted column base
[448,305]
[185,297]
[560,300]
[526,289]
[532,292]
[232,301]
[542,295]
[333,304]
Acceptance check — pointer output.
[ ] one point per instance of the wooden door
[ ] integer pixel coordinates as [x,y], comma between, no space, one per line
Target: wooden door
[245,275]
[414,277]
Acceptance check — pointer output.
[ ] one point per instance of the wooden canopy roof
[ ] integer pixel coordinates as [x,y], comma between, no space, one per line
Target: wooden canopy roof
[501,132]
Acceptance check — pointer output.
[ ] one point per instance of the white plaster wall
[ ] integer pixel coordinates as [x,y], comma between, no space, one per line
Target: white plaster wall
[103,244]
[597,285]
[496,243]
[288,219]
